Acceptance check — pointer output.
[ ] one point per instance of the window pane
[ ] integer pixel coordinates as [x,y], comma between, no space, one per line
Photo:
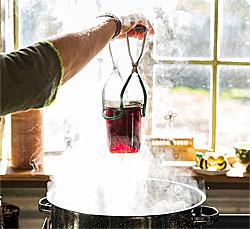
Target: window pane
[7,25]
[235,29]
[234,105]
[37,20]
[43,18]
[183,29]
[184,91]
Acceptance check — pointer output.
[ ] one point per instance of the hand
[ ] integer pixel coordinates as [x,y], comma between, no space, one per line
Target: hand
[130,21]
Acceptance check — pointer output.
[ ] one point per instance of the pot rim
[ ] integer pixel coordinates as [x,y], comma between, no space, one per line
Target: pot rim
[201,193]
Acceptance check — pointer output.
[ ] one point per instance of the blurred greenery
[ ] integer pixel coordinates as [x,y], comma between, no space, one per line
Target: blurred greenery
[235,93]
[226,94]
[190,90]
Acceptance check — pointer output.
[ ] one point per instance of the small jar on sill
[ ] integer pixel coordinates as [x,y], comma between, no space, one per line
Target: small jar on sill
[26,138]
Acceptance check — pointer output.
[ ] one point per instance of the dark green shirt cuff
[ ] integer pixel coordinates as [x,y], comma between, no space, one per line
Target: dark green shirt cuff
[29,77]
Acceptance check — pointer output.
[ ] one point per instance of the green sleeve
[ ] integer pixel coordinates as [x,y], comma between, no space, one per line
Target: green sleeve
[30,77]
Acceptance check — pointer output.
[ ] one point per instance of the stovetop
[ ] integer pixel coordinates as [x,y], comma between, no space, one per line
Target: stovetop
[236,221]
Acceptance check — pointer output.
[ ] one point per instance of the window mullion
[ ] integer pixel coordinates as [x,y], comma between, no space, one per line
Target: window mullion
[205,62]
[15,23]
[214,87]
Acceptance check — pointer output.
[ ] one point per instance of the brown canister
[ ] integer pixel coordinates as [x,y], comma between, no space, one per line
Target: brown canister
[26,138]
[1,135]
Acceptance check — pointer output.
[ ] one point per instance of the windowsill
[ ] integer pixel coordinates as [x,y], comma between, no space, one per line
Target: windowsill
[237,178]
[8,174]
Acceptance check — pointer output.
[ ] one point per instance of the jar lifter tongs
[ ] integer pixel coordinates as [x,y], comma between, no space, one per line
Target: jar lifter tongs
[138,28]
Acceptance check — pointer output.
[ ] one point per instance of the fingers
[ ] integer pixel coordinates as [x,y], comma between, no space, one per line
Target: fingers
[139,35]
[130,21]
[144,21]
[132,33]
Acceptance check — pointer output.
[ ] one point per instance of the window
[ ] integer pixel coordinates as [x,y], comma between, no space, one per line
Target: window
[201,73]
[197,67]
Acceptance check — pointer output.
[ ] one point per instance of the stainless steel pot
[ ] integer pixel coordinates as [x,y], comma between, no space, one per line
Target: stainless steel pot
[189,217]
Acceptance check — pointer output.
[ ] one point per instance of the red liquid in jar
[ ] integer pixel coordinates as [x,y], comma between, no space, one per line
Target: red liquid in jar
[124,134]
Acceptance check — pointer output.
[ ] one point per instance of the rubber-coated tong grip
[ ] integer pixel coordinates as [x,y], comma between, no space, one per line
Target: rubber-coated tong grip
[140,28]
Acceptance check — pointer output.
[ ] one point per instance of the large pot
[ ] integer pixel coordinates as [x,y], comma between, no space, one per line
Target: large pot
[191,216]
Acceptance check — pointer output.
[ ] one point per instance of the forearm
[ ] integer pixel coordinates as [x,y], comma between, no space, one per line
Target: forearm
[77,49]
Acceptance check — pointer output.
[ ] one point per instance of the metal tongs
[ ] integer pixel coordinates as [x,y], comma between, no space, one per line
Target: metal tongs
[138,28]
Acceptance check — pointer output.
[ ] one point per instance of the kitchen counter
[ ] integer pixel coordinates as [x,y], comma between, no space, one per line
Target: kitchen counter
[237,180]
[230,195]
